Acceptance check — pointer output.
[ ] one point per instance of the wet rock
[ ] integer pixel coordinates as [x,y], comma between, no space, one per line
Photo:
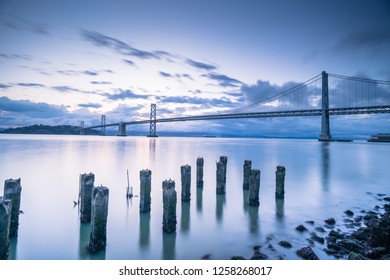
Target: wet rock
[349,213]
[386,257]
[259,256]
[386,207]
[370,216]
[333,246]
[301,228]
[307,253]
[238,258]
[376,253]
[285,244]
[317,238]
[336,234]
[387,198]
[309,222]
[361,234]
[320,229]
[356,256]
[207,257]
[330,221]
[351,245]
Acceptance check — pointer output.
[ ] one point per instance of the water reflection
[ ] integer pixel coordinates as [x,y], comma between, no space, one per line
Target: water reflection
[279,203]
[185,217]
[12,248]
[84,253]
[144,230]
[325,154]
[152,148]
[221,200]
[253,219]
[199,200]
[169,246]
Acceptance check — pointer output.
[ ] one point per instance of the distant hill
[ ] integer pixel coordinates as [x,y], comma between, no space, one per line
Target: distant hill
[48,129]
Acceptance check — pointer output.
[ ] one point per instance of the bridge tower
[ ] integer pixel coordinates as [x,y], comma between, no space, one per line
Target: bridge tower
[153,116]
[103,125]
[121,129]
[325,127]
[82,128]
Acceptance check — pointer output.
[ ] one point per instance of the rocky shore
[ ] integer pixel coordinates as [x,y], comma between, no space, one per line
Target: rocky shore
[364,235]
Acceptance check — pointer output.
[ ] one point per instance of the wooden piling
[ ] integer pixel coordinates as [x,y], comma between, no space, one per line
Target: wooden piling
[280,176]
[98,234]
[145,190]
[247,170]
[169,206]
[254,187]
[199,172]
[5,222]
[85,196]
[13,191]
[185,183]
[221,175]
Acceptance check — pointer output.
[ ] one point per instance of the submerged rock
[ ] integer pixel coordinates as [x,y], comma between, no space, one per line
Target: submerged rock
[285,244]
[259,256]
[349,213]
[330,221]
[301,228]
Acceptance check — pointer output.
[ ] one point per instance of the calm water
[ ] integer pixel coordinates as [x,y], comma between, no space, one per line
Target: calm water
[322,181]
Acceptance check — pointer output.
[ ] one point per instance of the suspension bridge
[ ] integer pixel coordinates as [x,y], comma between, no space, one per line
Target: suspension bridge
[323,95]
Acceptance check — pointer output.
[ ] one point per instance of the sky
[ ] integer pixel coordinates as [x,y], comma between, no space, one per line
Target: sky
[63,62]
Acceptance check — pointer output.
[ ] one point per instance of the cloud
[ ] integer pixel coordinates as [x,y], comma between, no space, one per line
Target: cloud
[83,72]
[15,56]
[64,88]
[30,109]
[16,23]
[372,39]
[125,94]
[29,85]
[90,73]
[121,47]
[205,102]
[128,62]
[90,105]
[223,80]
[165,75]
[4,86]
[100,83]
[200,65]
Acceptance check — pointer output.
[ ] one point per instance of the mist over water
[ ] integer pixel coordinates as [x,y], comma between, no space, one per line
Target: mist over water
[322,181]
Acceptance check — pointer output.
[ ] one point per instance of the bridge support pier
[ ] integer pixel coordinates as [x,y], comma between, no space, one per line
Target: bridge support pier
[153,126]
[325,127]
[103,125]
[121,129]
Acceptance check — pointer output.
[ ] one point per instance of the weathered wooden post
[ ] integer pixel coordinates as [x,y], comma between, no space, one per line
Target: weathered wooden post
[221,175]
[199,172]
[98,236]
[13,191]
[280,175]
[254,187]
[169,206]
[5,222]
[145,189]
[185,183]
[85,196]
[247,171]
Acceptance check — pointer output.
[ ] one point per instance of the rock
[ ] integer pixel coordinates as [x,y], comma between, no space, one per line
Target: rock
[333,246]
[259,256]
[361,234]
[317,238]
[336,234]
[238,258]
[386,207]
[285,244]
[307,253]
[351,245]
[356,256]
[330,221]
[320,229]
[349,213]
[358,219]
[301,228]
[309,222]
[370,216]
[207,257]
[376,253]
[387,198]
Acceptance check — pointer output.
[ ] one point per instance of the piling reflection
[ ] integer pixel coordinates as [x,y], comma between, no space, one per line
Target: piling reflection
[199,200]
[185,217]
[221,200]
[13,248]
[152,148]
[279,203]
[253,219]
[325,155]
[169,246]
[144,230]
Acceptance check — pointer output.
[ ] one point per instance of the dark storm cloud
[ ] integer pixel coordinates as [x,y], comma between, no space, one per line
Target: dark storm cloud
[119,46]
[223,80]
[125,94]
[31,109]
[200,65]
[90,105]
